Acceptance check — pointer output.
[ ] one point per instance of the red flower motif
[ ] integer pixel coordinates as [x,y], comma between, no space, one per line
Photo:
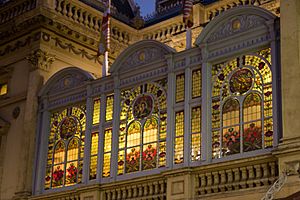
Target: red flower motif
[58,175]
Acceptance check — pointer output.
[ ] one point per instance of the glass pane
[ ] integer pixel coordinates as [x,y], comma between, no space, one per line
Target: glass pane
[107,140]
[132,159]
[196,83]
[94,155]
[109,107]
[133,134]
[195,130]
[162,154]
[179,88]
[178,151]
[58,175]
[149,158]
[72,150]
[179,133]
[3,89]
[96,112]
[252,136]
[150,131]
[71,176]
[121,162]
[179,123]
[106,165]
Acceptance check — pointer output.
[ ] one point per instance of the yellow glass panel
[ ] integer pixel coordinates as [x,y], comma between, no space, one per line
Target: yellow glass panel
[150,131]
[179,88]
[72,150]
[196,137]
[109,107]
[93,167]
[96,112]
[178,154]
[3,89]
[59,155]
[179,124]
[94,155]
[196,83]
[107,140]
[121,162]
[231,110]
[196,147]
[252,107]
[179,140]
[106,165]
[133,134]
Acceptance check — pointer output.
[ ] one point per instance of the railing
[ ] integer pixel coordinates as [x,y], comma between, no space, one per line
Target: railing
[15,9]
[236,178]
[276,187]
[145,190]
[217,9]
[78,14]
[165,33]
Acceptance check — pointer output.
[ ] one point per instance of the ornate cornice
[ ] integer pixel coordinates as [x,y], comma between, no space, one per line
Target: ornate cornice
[41,60]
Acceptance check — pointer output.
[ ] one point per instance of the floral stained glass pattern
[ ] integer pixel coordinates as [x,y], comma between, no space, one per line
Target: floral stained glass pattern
[142,134]
[65,147]
[245,83]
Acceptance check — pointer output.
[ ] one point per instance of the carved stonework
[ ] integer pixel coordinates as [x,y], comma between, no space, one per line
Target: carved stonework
[236,25]
[41,60]
[143,56]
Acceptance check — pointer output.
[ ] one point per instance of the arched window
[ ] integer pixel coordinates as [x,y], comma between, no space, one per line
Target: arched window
[65,147]
[142,138]
[242,105]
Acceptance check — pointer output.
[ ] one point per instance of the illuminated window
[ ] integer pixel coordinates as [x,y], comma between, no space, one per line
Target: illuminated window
[109,107]
[107,152]
[196,136]
[142,136]
[242,105]
[66,147]
[179,88]
[196,83]
[179,137]
[3,89]
[94,155]
[96,111]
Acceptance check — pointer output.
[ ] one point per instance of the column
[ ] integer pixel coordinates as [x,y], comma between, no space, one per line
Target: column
[170,111]
[187,114]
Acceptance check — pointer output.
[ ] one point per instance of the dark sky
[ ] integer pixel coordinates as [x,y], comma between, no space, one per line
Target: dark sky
[147,6]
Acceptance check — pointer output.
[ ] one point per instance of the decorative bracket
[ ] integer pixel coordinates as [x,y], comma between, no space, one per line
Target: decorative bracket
[41,60]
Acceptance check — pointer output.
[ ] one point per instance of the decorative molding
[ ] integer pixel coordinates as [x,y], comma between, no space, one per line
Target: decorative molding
[180,63]
[20,43]
[69,99]
[143,56]
[236,25]
[41,60]
[253,41]
[143,76]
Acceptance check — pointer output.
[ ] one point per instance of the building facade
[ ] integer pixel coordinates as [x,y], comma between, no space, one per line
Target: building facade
[216,121]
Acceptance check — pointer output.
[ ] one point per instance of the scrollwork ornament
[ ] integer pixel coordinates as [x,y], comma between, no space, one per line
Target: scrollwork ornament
[41,59]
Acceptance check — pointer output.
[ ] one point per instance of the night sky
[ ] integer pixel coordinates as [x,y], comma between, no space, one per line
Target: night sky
[147,6]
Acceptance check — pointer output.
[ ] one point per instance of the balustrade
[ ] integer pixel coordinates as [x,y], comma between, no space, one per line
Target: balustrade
[146,190]
[14,10]
[236,178]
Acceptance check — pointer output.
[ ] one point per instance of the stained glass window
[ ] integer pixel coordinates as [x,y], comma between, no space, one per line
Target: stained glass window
[3,89]
[96,111]
[179,88]
[196,83]
[65,147]
[195,131]
[143,121]
[242,104]
[179,137]
[107,152]
[94,155]
[109,107]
